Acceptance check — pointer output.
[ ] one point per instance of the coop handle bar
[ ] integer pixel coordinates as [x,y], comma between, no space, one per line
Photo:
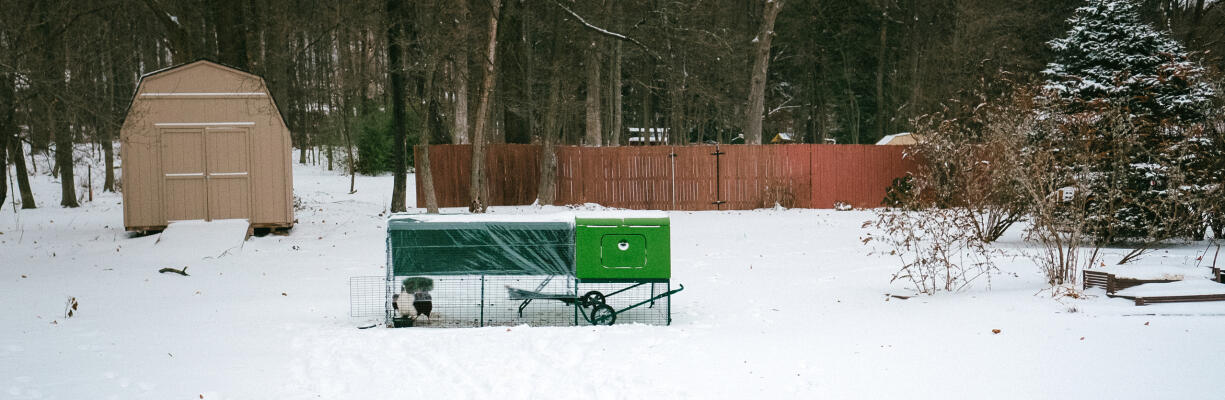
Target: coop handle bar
[657,297]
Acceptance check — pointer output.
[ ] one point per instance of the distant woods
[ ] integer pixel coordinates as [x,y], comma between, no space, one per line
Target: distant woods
[539,71]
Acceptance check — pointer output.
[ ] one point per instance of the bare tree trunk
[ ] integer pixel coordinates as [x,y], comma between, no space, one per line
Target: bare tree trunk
[351,77]
[33,162]
[648,120]
[110,130]
[427,118]
[547,193]
[497,110]
[398,125]
[676,134]
[367,58]
[20,173]
[51,80]
[761,62]
[916,55]
[4,147]
[181,46]
[531,108]
[63,159]
[615,121]
[880,71]
[1197,15]
[7,131]
[344,130]
[63,152]
[850,95]
[477,190]
[108,152]
[594,135]
[614,88]
[232,32]
[303,145]
[461,133]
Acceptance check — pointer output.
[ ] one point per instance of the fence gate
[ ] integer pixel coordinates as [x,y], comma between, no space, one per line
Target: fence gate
[718,178]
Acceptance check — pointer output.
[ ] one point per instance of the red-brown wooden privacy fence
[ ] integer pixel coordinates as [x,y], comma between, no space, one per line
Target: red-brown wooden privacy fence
[735,177]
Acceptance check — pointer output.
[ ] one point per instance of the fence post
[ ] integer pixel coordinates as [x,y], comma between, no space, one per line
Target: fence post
[718,179]
[482,323]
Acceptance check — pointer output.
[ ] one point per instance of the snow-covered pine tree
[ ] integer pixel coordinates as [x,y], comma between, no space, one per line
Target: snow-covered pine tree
[1147,98]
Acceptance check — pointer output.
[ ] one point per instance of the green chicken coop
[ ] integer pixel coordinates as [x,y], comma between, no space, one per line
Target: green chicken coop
[557,269]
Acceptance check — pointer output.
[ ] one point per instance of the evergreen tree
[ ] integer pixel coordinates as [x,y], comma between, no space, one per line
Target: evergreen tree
[1111,54]
[1144,101]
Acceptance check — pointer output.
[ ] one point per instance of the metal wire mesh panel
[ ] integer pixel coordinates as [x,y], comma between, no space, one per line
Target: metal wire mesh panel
[532,300]
[456,302]
[476,300]
[460,301]
[367,296]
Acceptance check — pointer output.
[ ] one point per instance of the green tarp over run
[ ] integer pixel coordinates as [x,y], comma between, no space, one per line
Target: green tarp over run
[481,245]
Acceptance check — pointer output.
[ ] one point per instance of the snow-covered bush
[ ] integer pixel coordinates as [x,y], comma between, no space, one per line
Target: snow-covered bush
[1214,191]
[1138,102]
[1110,56]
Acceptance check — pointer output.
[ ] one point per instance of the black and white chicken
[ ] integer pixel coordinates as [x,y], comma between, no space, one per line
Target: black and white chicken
[423,304]
[412,305]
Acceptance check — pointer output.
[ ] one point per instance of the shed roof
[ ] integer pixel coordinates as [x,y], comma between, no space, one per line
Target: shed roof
[888,139]
[200,61]
[203,62]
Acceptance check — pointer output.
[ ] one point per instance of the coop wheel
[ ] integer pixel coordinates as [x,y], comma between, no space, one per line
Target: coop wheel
[602,314]
[593,297]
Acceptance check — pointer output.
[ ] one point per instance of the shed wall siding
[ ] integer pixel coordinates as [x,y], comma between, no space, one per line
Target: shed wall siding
[242,133]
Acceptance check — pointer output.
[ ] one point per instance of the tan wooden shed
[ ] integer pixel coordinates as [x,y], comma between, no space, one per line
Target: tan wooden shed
[900,139]
[203,141]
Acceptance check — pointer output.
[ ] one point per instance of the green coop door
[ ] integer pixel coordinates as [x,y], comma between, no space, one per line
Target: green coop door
[623,251]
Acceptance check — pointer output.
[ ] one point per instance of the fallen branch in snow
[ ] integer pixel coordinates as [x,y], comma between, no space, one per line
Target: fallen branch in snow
[177,271]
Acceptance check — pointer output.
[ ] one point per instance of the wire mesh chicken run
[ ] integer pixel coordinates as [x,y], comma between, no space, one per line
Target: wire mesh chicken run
[460,271]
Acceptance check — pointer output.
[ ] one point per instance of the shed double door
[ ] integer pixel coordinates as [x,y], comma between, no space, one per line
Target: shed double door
[207,174]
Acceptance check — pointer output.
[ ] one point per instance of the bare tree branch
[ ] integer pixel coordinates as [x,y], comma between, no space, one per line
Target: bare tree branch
[606,32]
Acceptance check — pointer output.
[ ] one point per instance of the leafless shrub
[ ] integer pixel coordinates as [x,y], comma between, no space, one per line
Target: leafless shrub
[1213,208]
[943,217]
[777,192]
[957,169]
[1052,170]
[938,247]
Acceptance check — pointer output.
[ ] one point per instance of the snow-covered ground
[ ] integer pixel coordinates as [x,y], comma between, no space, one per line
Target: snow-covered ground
[778,304]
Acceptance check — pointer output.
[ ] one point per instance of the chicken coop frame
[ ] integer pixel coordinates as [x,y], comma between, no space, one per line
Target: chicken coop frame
[552,270]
